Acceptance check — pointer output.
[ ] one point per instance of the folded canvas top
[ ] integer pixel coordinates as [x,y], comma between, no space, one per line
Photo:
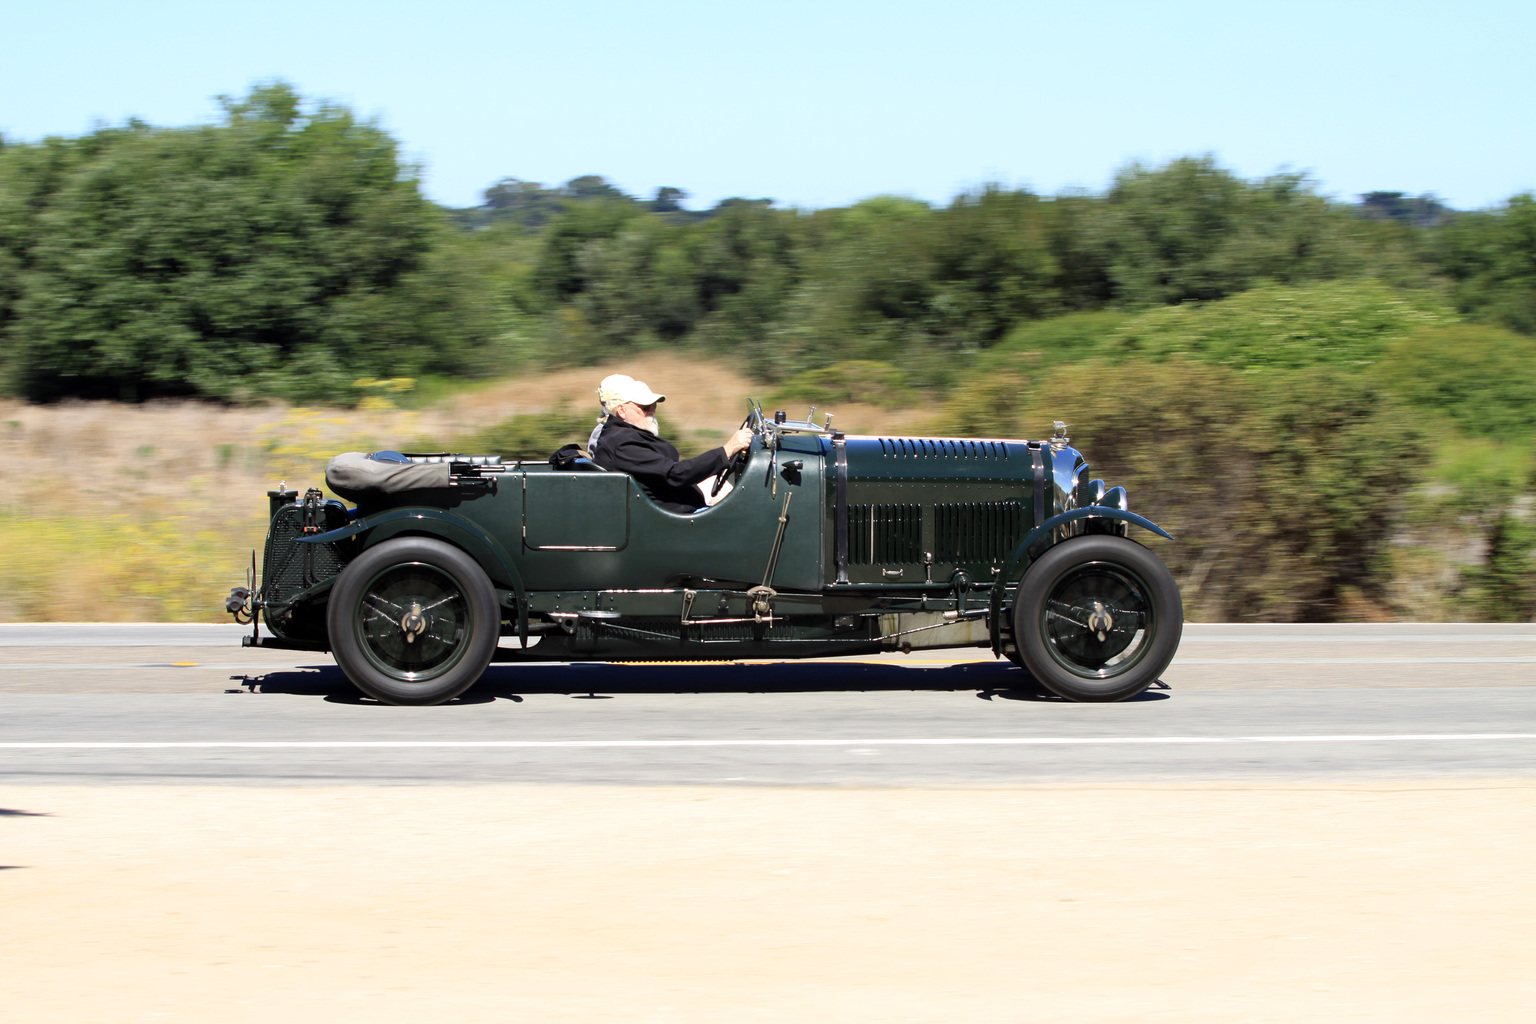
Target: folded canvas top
[357,476]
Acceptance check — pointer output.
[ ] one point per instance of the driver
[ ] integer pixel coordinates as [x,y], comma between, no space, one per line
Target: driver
[627,442]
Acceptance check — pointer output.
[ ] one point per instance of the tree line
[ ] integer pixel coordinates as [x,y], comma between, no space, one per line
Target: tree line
[286,250]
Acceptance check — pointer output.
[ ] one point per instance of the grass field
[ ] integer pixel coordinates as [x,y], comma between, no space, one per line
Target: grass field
[149,512]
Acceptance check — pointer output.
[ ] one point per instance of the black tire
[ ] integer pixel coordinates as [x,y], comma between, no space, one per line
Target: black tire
[1097,618]
[413,621]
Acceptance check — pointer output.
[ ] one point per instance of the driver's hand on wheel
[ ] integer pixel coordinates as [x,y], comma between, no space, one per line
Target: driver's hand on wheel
[739,442]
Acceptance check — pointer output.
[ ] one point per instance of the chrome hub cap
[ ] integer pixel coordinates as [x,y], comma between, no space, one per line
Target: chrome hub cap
[413,622]
[1097,620]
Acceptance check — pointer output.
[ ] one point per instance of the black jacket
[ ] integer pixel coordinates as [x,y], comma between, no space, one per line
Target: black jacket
[625,448]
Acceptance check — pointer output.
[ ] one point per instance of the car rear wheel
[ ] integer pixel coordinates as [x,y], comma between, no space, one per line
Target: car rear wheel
[413,621]
[1097,618]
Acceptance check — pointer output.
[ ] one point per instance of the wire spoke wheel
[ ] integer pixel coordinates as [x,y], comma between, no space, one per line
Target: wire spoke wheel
[413,620]
[1097,618]
[1096,621]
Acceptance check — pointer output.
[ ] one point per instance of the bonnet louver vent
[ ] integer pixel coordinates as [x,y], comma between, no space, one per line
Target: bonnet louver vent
[944,448]
[885,534]
[978,531]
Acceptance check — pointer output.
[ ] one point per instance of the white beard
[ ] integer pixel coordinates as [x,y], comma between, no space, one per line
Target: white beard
[649,424]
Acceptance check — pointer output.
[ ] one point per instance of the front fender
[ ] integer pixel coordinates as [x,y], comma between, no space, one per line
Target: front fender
[1022,555]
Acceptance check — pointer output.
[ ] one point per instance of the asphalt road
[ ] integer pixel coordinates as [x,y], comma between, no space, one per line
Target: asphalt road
[184,703]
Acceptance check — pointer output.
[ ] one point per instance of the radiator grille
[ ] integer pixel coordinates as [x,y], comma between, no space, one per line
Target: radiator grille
[885,534]
[977,531]
[288,566]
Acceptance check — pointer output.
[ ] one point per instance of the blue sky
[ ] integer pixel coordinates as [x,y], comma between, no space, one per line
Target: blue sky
[821,104]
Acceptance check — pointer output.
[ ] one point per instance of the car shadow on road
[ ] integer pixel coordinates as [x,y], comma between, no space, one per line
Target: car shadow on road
[594,680]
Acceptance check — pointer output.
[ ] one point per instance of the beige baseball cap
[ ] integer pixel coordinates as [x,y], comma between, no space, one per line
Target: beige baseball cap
[618,388]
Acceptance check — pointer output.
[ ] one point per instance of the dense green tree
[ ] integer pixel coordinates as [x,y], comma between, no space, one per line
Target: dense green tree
[29,177]
[894,280]
[629,277]
[640,285]
[1083,278]
[564,268]
[668,200]
[748,258]
[274,252]
[1491,257]
[1423,211]
[861,290]
[1191,230]
[992,267]
[592,186]
[527,203]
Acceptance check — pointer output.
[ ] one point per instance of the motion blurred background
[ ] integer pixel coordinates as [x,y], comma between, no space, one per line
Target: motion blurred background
[1276,269]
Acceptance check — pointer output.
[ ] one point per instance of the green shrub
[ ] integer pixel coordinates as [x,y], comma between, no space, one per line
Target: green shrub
[1282,490]
[1483,378]
[1060,339]
[1344,323]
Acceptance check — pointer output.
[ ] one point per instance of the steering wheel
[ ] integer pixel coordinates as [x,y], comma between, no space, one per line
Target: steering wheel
[735,466]
[753,422]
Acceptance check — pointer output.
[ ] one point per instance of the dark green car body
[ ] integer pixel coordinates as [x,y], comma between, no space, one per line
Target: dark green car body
[826,544]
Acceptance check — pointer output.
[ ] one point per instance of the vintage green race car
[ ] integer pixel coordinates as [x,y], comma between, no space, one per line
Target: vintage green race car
[826,544]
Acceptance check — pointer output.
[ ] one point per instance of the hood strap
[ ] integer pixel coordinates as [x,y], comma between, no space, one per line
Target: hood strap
[840,451]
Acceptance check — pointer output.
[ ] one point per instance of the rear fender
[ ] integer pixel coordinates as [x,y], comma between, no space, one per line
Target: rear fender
[433,522]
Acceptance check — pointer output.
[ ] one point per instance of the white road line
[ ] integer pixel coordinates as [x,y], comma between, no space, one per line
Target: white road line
[974,741]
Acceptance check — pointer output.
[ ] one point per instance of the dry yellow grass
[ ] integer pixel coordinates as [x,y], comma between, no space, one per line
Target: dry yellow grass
[114,512]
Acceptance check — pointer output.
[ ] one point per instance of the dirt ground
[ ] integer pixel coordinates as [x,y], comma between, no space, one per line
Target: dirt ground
[1187,903]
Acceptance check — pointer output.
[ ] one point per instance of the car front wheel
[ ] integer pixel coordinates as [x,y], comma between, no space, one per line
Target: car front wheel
[1097,618]
[413,621]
